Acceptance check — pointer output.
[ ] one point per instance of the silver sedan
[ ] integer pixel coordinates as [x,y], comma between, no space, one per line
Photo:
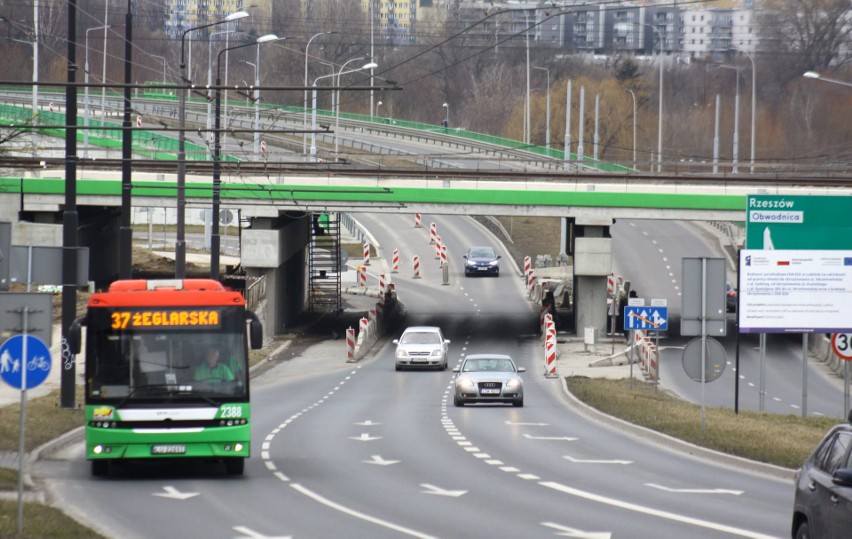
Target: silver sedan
[488,378]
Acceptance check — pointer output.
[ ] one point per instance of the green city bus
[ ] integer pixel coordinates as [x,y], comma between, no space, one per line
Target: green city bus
[149,391]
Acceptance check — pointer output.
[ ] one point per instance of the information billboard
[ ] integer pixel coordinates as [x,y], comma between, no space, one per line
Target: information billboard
[795,291]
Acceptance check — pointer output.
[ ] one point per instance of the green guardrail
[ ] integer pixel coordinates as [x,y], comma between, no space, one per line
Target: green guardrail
[152,144]
[166,147]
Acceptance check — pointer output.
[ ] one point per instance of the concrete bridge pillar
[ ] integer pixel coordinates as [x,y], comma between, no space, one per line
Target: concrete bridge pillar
[278,249]
[592,249]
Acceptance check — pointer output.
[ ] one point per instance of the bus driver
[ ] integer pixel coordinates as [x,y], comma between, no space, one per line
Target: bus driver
[211,369]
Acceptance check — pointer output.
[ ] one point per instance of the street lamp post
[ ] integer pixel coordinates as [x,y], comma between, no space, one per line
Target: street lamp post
[217,150]
[753,107]
[633,95]
[447,118]
[86,98]
[210,82]
[257,93]
[371,66]
[736,148]
[660,118]
[378,104]
[305,107]
[527,103]
[815,75]
[180,243]
[547,105]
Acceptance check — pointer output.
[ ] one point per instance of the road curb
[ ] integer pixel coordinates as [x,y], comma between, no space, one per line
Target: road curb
[677,445]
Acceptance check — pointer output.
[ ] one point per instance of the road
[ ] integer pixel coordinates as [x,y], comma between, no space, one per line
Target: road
[650,254]
[365,451]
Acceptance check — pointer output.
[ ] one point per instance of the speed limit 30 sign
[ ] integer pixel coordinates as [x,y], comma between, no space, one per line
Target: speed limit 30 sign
[841,343]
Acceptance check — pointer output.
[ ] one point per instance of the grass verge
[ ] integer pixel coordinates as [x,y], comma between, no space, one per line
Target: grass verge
[782,440]
[40,521]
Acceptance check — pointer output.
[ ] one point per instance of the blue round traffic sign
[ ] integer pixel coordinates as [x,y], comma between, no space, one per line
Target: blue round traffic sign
[13,363]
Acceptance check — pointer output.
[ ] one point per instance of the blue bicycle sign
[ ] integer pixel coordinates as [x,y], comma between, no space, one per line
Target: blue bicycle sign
[13,363]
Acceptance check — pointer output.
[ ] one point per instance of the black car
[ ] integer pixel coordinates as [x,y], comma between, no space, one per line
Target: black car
[823,501]
[482,260]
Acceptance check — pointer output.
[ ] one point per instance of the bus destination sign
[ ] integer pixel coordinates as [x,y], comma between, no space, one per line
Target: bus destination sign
[171,318]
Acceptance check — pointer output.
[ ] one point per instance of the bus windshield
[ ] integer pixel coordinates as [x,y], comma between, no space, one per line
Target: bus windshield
[153,362]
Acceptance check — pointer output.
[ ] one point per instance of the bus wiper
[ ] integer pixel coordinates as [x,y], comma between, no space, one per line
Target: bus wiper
[166,387]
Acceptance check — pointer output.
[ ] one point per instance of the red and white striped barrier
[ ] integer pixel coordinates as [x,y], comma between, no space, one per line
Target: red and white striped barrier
[438,248]
[395,261]
[417,220]
[550,347]
[366,254]
[531,279]
[350,345]
[362,276]
[362,324]
[543,313]
[433,233]
[527,264]
[416,261]
[610,284]
[443,255]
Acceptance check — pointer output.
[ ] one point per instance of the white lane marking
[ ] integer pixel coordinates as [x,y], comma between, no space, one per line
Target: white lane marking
[482,456]
[565,531]
[556,438]
[438,491]
[351,512]
[270,465]
[251,534]
[695,490]
[377,459]
[517,424]
[529,476]
[653,512]
[175,494]
[367,423]
[282,477]
[365,437]
[508,469]
[596,461]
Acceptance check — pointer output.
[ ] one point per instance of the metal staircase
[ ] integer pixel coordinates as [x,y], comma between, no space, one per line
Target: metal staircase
[324,264]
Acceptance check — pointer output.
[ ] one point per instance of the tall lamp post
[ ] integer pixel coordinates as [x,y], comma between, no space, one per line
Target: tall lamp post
[257,92]
[378,104]
[815,75]
[660,118]
[305,108]
[180,242]
[34,45]
[314,104]
[753,107]
[86,98]
[370,66]
[633,95]
[736,148]
[547,105]
[447,118]
[210,82]
[217,163]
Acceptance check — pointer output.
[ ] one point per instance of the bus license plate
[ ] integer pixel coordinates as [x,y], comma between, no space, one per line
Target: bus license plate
[171,449]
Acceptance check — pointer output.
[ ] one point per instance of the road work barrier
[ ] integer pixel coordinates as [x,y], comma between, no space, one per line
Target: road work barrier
[550,347]
[433,233]
[366,254]
[417,220]
[350,345]
[395,261]
[416,262]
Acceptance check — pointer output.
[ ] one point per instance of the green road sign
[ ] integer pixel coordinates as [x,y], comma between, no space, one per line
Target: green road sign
[798,222]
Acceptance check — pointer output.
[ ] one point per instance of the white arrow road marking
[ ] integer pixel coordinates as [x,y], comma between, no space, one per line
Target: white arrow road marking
[251,534]
[377,459]
[706,524]
[367,423]
[558,438]
[175,494]
[365,437]
[432,489]
[695,490]
[565,531]
[595,461]
[527,424]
